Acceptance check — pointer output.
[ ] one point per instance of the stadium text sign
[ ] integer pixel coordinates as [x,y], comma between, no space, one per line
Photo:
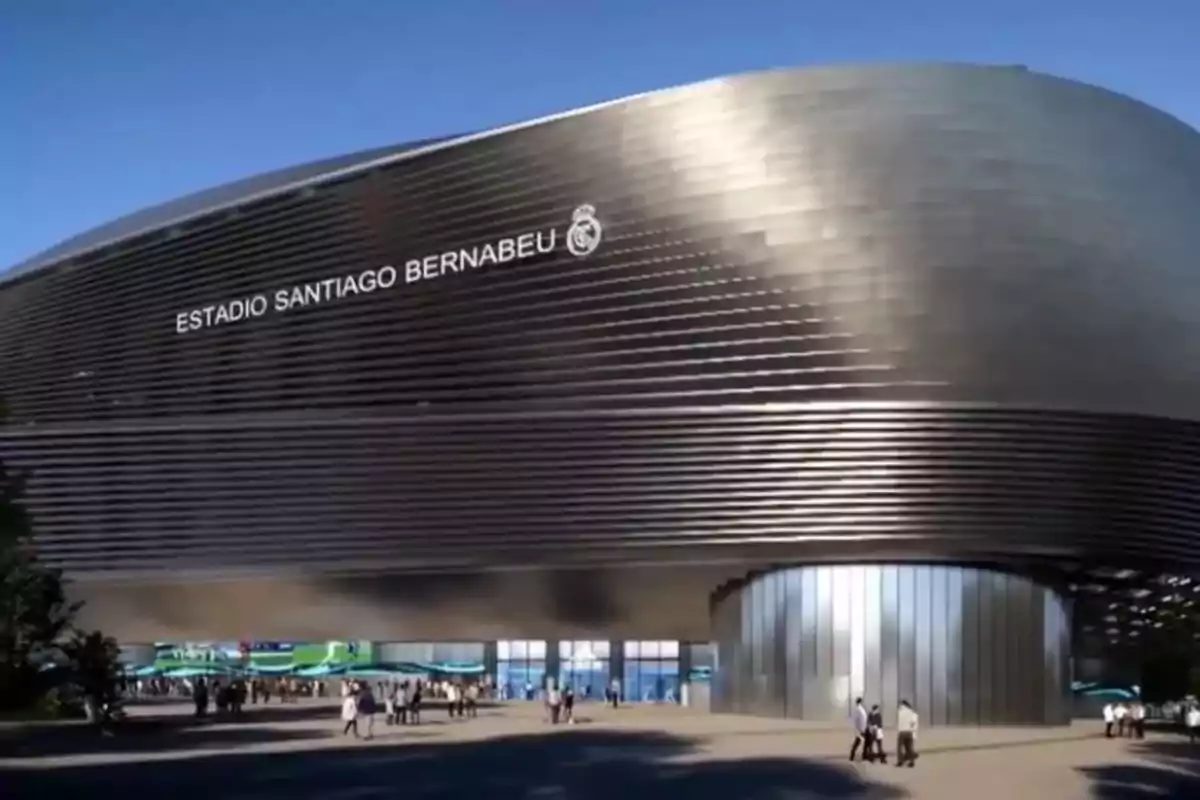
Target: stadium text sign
[582,238]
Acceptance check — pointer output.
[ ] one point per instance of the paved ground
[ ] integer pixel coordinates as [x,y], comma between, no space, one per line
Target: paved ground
[668,753]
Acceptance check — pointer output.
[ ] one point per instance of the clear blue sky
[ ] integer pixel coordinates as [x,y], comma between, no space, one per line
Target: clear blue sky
[107,106]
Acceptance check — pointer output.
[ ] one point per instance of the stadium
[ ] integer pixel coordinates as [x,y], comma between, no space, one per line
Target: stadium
[877,378]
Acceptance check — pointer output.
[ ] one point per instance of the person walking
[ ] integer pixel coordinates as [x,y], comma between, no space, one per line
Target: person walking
[389,705]
[874,748]
[1137,721]
[367,708]
[568,702]
[858,719]
[906,735]
[414,703]
[350,715]
[1191,719]
[1122,715]
[471,700]
[1110,716]
[200,698]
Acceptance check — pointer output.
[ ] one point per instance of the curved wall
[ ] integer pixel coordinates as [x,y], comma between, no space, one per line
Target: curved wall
[917,312]
[964,646]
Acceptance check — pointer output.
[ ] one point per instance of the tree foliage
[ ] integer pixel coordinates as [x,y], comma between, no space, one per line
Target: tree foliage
[35,615]
[94,663]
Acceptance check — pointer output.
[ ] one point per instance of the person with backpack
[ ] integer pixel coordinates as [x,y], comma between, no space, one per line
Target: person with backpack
[367,708]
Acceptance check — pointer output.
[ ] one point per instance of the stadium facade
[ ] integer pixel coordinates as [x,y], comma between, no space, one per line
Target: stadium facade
[853,371]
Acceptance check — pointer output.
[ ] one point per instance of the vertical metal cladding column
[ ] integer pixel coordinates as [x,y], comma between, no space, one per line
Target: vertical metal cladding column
[965,646]
[616,664]
[491,661]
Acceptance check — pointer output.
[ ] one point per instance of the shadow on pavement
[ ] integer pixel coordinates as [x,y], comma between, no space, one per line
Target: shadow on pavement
[605,765]
[142,736]
[1173,773]
[265,715]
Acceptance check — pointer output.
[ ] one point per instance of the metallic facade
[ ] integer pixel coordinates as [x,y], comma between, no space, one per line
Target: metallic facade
[892,314]
[965,646]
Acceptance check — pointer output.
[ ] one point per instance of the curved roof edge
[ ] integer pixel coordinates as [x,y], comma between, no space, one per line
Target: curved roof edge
[270,184]
[202,203]
[290,179]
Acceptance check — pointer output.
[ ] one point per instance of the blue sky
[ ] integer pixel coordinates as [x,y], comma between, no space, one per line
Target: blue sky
[107,106]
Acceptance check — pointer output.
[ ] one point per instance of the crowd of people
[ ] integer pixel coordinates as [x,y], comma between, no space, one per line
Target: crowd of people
[869,736]
[230,696]
[402,702]
[1128,720]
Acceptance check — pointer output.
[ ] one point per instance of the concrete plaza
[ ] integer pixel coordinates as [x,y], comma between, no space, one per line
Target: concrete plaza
[509,751]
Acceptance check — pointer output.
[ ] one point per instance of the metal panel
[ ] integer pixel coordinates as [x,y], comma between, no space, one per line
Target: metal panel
[889,691]
[835,315]
[779,648]
[873,621]
[794,645]
[187,209]
[917,654]
[923,640]
[956,663]
[938,709]
[968,634]
[906,642]
[1007,602]
[828,705]
[987,654]
[810,646]
[840,604]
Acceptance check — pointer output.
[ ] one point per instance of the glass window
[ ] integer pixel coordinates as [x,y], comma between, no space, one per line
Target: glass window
[564,649]
[631,650]
[521,671]
[520,680]
[586,678]
[647,649]
[652,681]
[669,649]
[537,673]
[585,668]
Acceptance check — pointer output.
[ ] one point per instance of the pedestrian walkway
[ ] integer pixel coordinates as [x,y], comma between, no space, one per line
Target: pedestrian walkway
[630,752]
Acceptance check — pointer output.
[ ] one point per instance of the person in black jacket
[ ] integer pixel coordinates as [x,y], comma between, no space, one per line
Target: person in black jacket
[367,708]
[874,748]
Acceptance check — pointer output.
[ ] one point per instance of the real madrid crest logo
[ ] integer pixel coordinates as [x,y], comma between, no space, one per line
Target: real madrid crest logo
[585,233]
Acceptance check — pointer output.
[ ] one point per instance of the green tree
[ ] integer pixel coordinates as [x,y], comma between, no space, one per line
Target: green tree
[35,615]
[95,669]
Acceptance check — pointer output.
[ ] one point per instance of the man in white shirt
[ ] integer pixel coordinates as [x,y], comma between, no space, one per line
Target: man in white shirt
[471,700]
[906,735]
[1191,718]
[1137,721]
[1110,716]
[1121,713]
[858,719]
[350,715]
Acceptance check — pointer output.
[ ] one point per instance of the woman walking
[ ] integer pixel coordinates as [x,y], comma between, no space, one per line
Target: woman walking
[350,714]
